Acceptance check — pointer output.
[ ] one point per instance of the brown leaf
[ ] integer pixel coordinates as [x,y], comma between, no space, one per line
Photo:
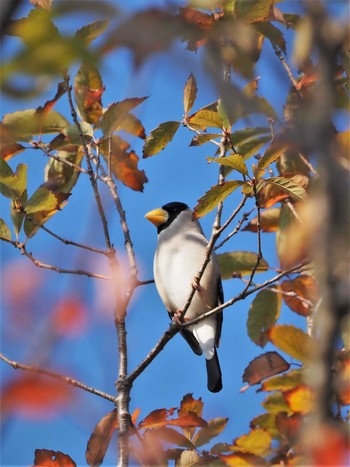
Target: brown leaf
[47,458]
[190,405]
[269,221]
[264,366]
[158,417]
[34,397]
[88,90]
[305,294]
[100,438]
[288,425]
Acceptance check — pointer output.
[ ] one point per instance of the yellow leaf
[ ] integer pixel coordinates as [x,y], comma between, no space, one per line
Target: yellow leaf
[256,442]
[300,399]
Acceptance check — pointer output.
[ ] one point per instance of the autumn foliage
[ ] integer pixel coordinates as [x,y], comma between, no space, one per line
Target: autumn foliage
[289,174]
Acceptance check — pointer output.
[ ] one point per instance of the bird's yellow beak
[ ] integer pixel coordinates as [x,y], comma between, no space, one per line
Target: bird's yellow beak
[157,216]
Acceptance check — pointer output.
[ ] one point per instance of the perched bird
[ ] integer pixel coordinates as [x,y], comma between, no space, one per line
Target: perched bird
[179,255]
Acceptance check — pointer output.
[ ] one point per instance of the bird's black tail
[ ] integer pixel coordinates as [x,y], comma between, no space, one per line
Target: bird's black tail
[214,374]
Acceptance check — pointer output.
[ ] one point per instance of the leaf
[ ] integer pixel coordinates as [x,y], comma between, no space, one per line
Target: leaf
[158,417]
[100,438]
[12,185]
[8,145]
[269,221]
[263,314]
[116,113]
[17,216]
[190,93]
[214,428]
[198,140]
[172,436]
[288,186]
[158,139]
[283,382]
[25,123]
[273,34]
[48,458]
[239,263]
[271,155]
[263,367]
[188,458]
[243,460]
[252,11]
[35,397]
[189,405]
[190,420]
[45,109]
[288,426]
[41,200]
[206,118]
[88,90]
[304,294]
[124,163]
[257,442]
[214,196]
[91,31]
[241,136]
[251,147]
[5,232]
[133,126]
[293,341]
[275,403]
[235,161]
[69,316]
[61,177]
[300,399]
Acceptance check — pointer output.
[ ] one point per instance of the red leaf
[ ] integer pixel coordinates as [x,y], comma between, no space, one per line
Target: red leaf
[304,290]
[70,316]
[264,366]
[61,89]
[47,458]
[288,425]
[156,418]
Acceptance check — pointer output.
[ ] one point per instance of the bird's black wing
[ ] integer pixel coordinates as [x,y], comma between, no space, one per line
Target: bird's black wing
[219,316]
[190,339]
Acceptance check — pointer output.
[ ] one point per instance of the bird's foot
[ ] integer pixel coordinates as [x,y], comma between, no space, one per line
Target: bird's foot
[196,285]
[178,317]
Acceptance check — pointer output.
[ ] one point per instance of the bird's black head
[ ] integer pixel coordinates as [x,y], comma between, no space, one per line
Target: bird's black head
[173,209]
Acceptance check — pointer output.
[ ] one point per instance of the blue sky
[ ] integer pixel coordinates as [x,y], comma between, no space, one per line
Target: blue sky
[178,173]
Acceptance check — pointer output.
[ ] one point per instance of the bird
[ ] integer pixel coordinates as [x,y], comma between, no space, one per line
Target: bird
[178,257]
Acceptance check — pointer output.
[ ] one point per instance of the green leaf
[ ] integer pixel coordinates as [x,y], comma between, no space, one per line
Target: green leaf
[252,146]
[283,382]
[235,161]
[23,124]
[275,403]
[263,314]
[240,136]
[239,263]
[206,118]
[157,140]
[88,89]
[190,93]
[5,232]
[273,34]
[61,177]
[271,154]
[41,200]
[215,195]
[198,140]
[15,210]
[12,185]
[287,185]
[252,11]
[293,341]
[214,428]
[91,31]
[116,113]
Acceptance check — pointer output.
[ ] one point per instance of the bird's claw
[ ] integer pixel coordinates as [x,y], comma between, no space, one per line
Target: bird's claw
[196,285]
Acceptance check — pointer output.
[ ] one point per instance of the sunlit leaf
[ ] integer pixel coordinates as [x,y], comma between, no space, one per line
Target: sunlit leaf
[190,93]
[269,221]
[198,140]
[266,421]
[289,186]
[263,314]
[88,89]
[48,458]
[12,184]
[188,458]
[250,10]
[304,294]
[16,207]
[214,196]
[275,403]
[239,263]
[41,200]
[242,460]
[158,139]
[288,425]
[300,399]
[100,438]
[91,31]
[158,417]
[172,436]
[256,442]
[283,382]
[263,367]
[116,113]
[190,405]
[271,155]
[133,126]
[235,161]
[214,428]
[293,341]
[61,177]
[124,163]
[206,118]
[5,232]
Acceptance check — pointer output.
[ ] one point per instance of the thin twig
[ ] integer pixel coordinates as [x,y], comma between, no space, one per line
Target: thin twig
[39,145]
[239,224]
[52,374]
[287,68]
[21,247]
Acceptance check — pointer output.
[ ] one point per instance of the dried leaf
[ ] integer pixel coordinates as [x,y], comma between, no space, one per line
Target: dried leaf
[114,116]
[305,294]
[156,418]
[264,366]
[158,139]
[293,341]
[88,90]
[288,425]
[190,93]
[214,196]
[198,140]
[100,438]
[263,314]
[213,428]
[269,221]
[239,263]
[48,458]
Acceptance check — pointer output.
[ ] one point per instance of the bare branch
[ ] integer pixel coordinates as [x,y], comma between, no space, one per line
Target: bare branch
[52,374]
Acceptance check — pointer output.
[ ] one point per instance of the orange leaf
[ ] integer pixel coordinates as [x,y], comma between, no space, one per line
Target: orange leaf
[100,438]
[190,405]
[189,420]
[158,417]
[69,316]
[329,445]
[35,397]
[303,290]
[242,460]
[342,368]
[47,458]
[61,90]
[300,399]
